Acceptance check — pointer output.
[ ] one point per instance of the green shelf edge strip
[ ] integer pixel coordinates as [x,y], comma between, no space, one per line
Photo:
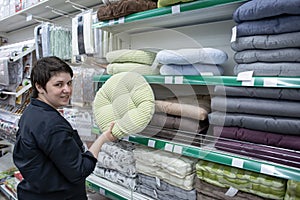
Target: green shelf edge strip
[285,82]
[221,158]
[184,7]
[105,192]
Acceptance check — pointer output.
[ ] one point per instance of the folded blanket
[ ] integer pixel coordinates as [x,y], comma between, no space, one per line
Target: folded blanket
[192,69]
[270,55]
[191,56]
[292,190]
[255,183]
[275,25]
[283,125]
[210,191]
[122,8]
[270,107]
[259,137]
[131,56]
[258,9]
[143,69]
[256,92]
[276,155]
[269,69]
[120,150]
[162,190]
[279,41]
[164,3]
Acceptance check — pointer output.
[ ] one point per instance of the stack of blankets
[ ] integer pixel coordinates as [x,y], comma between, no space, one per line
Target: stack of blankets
[263,123]
[192,61]
[182,119]
[133,60]
[268,38]
[216,181]
[165,175]
[116,163]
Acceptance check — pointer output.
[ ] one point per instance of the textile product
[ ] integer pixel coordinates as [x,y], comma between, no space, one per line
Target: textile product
[279,41]
[116,177]
[38,41]
[182,137]
[270,55]
[46,39]
[191,56]
[164,3]
[131,56]
[258,9]
[256,92]
[277,155]
[162,190]
[202,101]
[274,25]
[106,161]
[269,69]
[292,190]
[161,120]
[88,32]
[258,137]
[179,109]
[283,125]
[4,71]
[247,181]
[123,7]
[245,105]
[210,191]
[192,69]
[143,69]
[80,35]
[128,100]
[120,150]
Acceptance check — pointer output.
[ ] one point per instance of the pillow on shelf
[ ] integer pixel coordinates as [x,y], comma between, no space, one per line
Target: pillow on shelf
[128,100]
[131,56]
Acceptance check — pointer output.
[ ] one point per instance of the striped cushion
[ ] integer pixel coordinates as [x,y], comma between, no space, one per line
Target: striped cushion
[130,55]
[128,100]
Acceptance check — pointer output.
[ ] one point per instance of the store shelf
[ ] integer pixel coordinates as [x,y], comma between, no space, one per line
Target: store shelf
[213,155]
[195,12]
[282,82]
[40,12]
[112,190]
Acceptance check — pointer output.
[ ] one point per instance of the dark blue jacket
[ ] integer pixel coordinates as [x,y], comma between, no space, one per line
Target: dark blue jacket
[50,156]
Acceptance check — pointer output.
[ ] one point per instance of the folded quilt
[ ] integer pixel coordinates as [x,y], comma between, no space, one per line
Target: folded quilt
[210,191]
[143,69]
[198,100]
[258,137]
[243,180]
[120,150]
[276,155]
[191,56]
[278,41]
[270,107]
[258,9]
[116,177]
[192,69]
[163,120]
[292,190]
[269,69]
[164,3]
[163,190]
[131,56]
[275,25]
[106,161]
[122,8]
[270,55]
[256,92]
[283,125]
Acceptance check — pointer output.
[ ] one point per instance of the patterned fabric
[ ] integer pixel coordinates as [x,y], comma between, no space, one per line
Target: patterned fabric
[252,182]
[292,190]
[132,56]
[128,100]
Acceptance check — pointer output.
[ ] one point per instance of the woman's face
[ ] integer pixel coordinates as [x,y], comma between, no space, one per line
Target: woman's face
[58,90]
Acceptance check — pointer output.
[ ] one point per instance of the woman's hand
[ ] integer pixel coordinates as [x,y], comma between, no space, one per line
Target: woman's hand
[108,134]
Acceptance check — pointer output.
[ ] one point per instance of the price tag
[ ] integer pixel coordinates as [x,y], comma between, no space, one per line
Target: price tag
[231,192]
[178,79]
[111,22]
[270,82]
[169,147]
[151,143]
[245,76]
[236,162]
[267,169]
[176,9]
[102,191]
[121,20]
[168,79]
[157,181]
[233,34]
[177,149]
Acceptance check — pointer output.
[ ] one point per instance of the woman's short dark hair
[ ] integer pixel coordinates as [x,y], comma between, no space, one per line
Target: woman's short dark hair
[44,69]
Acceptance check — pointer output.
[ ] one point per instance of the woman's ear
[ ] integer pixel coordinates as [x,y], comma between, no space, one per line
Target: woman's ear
[39,88]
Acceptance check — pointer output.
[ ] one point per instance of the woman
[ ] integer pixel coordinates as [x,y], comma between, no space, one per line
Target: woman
[48,152]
